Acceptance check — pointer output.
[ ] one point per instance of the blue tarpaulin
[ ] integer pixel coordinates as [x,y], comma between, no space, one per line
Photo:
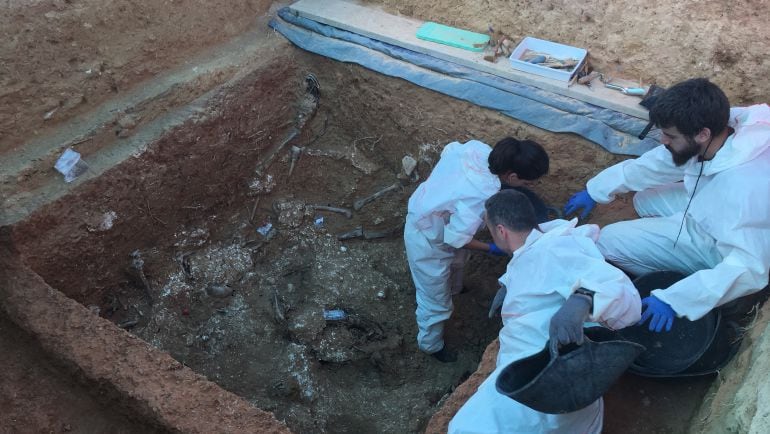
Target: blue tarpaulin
[614,131]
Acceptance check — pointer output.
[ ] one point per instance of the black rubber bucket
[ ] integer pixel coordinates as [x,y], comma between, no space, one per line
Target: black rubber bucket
[691,348]
[562,381]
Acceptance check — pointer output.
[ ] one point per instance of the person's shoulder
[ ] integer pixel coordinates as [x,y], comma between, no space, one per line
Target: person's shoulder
[748,177]
[567,233]
[750,115]
[474,144]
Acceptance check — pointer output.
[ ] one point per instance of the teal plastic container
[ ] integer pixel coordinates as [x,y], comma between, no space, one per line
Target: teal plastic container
[452,36]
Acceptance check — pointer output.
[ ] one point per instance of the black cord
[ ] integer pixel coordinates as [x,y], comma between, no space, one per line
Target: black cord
[684,216]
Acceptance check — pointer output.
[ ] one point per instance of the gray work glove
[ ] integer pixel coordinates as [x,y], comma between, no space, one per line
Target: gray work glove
[567,323]
[497,302]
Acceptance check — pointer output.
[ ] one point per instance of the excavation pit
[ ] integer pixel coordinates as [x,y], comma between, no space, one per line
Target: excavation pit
[190,209]
[212,244]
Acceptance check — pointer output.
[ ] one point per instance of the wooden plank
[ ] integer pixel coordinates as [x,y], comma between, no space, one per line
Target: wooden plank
[400,31]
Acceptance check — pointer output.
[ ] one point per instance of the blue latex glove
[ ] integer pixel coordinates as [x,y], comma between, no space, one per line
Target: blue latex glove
[660,312]
[580,200]
[494,250]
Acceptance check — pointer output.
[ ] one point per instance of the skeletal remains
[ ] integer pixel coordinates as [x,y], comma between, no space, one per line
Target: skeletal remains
[357,205]
[137,263]
[547,60]
[360,232]
[344,211]
[295,153]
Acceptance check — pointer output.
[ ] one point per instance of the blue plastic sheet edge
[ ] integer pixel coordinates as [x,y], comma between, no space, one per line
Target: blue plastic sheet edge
[614,131]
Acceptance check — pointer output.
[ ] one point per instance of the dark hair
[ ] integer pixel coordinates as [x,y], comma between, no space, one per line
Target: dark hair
[690,106]
[525,158]
[511,209]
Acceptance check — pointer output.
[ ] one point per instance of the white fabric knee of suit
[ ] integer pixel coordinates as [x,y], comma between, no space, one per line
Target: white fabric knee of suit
[610,246]
[641,202]
[609,238]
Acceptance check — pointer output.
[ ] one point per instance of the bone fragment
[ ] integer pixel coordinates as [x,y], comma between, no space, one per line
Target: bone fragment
[346,212]
[355,233]
[269,159]
[137,263]
[373,235]
[360,232]
[278,310]
[357,205]
[295,153]
[409,164]
[128,324]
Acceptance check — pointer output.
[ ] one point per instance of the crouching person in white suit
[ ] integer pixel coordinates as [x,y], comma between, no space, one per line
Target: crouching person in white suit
[444,214]
[556,280]
[713,226]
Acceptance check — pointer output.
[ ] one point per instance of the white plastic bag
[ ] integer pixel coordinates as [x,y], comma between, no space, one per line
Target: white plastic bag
[70,165]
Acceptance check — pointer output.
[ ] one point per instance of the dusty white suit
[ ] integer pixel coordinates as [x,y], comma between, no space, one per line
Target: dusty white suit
[540,277]
[725,240]
[444,214]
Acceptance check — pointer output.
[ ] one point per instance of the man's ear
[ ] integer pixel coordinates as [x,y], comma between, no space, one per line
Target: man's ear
[703,136]
[502,232]
[511,178]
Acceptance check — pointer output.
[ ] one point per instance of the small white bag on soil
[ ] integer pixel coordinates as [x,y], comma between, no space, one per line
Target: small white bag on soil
[70,165]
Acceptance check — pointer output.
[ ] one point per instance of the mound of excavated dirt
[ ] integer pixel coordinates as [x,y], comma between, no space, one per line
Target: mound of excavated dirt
[656,41]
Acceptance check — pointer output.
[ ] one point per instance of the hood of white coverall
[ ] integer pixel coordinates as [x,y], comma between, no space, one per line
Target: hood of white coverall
[749,140]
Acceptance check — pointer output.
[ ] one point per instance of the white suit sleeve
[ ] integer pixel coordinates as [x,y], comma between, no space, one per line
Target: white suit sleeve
[652,169]
[616,301]
[464,222]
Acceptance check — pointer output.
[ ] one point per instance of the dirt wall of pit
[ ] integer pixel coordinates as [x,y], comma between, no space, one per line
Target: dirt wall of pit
[203,165]
[123,372]
[62,58]
[737,401]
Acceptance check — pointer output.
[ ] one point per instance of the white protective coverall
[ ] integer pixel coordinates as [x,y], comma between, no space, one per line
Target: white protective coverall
[540,277]
[725,241]
[444,214]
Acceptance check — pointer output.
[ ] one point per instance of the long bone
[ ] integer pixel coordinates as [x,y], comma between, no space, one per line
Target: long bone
[357,205]
[346,212]
[295,153]
[137,263]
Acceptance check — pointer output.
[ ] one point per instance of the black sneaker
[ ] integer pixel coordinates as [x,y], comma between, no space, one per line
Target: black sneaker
[445,355]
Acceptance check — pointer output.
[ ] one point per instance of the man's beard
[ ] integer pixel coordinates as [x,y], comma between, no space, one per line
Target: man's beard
[685,155]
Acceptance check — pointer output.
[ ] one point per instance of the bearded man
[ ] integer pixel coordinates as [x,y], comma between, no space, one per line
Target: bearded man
[704,201]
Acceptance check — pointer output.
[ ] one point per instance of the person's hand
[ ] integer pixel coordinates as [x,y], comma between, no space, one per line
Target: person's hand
[494,250]
[567,323]
[497,302]
[660,312]
[580,200]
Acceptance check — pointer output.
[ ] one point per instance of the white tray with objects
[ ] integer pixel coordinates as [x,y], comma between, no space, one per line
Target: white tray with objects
[554,49]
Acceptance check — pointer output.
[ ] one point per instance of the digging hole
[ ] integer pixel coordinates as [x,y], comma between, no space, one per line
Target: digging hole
[206,247]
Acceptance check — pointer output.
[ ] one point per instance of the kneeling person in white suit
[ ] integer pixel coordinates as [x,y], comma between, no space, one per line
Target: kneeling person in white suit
[556,280]
[714,225]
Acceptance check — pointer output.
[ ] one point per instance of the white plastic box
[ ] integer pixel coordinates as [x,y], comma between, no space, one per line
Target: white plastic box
[552,48]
